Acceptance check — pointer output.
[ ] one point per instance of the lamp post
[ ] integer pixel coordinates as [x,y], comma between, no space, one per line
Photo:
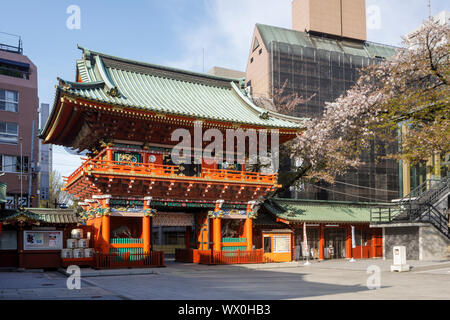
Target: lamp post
[21,171]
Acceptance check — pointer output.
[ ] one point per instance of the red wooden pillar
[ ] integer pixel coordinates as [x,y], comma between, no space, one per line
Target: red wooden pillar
[146,228]
[293,245]
[203,235]
[249,233]
[249,225]
[348,243]
[106,224]
[321,242]
[217,240]
[109,154]
[217,228]
[373,244]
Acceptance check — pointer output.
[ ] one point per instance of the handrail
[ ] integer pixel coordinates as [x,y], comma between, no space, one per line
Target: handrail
[124,167]
[419,209]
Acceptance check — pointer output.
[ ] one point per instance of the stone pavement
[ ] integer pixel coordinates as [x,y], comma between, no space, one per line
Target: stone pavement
[180,281]
[324,280]
[46,286]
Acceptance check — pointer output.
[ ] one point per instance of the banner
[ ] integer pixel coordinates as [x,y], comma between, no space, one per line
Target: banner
[305,239]
[353,238]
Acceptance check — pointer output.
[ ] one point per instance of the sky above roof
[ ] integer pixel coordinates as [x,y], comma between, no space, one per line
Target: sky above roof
[189,34]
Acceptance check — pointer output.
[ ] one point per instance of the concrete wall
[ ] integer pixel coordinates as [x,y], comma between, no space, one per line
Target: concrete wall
[422,241]
[258,68]
[402,236]
[343,18]
[433,245]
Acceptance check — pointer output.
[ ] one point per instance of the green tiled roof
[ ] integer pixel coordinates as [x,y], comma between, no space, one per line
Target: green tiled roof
[319,211]
[145,86]
[56,216]
[297,38]
[51,216]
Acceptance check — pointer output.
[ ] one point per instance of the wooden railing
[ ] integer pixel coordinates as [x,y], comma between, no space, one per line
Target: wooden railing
[156,170]
[219,257]
[234,240]
[126,241]
[129,260]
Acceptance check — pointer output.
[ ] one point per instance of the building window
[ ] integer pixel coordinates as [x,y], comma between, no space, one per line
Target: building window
[9,100]
[9,132]
[255,44]
[12,164]
[267,244]
[251,60]
[14,69]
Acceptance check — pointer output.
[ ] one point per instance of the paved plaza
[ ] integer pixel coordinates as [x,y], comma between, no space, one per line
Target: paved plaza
[324,280]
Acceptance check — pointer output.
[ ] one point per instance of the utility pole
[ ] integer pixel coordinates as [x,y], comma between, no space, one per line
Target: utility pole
[429,9]
[31,165]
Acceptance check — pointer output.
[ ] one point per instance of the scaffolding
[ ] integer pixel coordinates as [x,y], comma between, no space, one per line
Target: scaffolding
[325,74]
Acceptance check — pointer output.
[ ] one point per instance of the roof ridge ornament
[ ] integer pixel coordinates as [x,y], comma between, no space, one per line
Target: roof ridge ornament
[114,92]
[264,115]
[63,84]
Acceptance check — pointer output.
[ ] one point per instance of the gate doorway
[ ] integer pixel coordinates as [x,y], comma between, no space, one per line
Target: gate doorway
[335,243]
[312,236]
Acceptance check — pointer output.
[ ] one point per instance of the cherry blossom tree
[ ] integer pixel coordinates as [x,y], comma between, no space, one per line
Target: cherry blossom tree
[408,91]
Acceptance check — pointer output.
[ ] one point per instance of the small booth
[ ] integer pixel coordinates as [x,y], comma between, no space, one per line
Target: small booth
[35,238]
[277,245]
[329,228]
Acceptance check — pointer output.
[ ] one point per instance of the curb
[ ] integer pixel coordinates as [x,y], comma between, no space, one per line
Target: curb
[109,273]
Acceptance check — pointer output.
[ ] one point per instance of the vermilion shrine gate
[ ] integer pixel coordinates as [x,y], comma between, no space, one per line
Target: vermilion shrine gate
[124,112]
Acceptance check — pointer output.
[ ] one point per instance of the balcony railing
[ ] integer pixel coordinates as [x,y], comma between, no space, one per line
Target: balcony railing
[167,171]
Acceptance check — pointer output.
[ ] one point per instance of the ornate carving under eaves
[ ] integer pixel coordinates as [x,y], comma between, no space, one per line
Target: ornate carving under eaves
[150,212]
[215,214]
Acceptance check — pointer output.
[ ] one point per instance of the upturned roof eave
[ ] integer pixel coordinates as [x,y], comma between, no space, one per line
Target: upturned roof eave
[72,94]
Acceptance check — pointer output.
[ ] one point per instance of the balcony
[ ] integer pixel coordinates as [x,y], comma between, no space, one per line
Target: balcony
[98,176]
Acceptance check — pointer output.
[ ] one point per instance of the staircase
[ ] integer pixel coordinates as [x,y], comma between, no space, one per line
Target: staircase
[419,206]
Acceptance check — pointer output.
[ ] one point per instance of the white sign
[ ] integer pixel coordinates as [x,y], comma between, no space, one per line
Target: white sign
[42,240]
[282,244]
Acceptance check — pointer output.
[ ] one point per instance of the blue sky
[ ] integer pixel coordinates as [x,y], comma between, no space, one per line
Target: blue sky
[168,32]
